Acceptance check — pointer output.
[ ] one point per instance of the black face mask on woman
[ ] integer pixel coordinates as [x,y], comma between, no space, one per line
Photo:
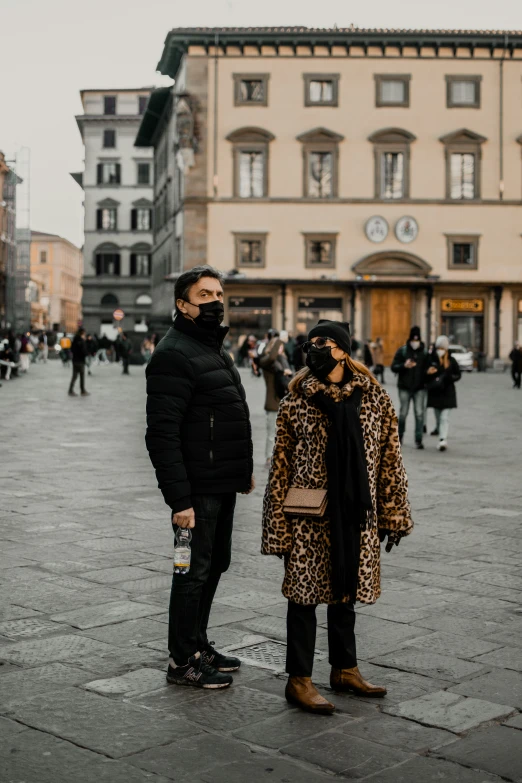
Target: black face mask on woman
[321,362]
[210,316]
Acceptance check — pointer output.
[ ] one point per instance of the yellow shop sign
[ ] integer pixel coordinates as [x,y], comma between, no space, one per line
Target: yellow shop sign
[462,306]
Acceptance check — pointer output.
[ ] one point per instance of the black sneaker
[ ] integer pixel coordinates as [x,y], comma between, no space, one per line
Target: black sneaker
[223,663]
[419,444]
[434,432]
[198,674]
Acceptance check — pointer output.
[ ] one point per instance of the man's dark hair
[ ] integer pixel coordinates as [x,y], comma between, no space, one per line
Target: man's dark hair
[80,331]
[187,279]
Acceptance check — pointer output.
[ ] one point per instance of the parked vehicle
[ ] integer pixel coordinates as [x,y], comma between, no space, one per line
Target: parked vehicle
[463,357]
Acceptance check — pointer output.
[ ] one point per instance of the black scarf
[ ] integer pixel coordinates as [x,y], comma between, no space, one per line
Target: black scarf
[349,497]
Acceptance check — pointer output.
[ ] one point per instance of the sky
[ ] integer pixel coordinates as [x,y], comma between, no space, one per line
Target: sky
[51,49]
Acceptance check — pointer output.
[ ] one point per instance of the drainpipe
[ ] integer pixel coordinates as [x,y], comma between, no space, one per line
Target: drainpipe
[498,296]
[501,120]
[283,305]
[429,300]
[215,166]
[352,309]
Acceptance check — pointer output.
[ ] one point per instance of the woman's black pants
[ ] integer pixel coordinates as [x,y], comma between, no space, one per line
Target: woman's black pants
[301,623]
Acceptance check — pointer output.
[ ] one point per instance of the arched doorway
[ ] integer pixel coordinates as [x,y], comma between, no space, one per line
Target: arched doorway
[391,275]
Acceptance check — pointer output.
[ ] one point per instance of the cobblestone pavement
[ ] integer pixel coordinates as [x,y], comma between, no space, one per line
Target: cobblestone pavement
[85,557]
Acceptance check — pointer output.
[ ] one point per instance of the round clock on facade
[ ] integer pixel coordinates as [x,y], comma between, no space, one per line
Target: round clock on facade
[406,229]
[376,229]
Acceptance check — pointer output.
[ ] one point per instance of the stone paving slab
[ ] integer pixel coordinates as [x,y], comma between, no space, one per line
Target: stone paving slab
[505,657]
[32,626]
[288,728]
[94,616]
[53,648]
[499,686]
[450,711]
[265,768]
[128,633]
[497,749]
[515,722]
[396,732]
[98,723]
[439,665]
[462,646]
[428,770]
[131,684]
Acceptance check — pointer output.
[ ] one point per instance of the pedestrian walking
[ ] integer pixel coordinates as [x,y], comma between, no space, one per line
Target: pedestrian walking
[65,350]
[125,348]
[277,374]
[378,359]
[368,357]
[337,486]
[298,358]
[409,364]
[516,365]
[92,349]
[26,349]
[200,443]
[79,355]
[147,349]
[442,373]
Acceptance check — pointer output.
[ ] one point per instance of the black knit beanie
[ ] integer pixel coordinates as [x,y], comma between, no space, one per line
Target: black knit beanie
[415,333]
[339,331]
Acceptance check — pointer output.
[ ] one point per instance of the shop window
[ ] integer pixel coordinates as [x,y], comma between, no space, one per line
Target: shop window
[463,92]
[320,251]
[311,309]
[392,90]
[463,150]
[250,151]
[463,251]
[321,89]
[320,163]
[251,89]
[250,250]
[392,163]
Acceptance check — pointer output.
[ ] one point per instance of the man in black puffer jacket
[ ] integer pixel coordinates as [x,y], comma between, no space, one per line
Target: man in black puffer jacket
[199,440]
[410,365]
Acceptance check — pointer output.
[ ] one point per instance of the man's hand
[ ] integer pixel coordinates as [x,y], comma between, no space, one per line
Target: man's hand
[288,372]
[409,363]
[252,486]
[431,370]
[185,518]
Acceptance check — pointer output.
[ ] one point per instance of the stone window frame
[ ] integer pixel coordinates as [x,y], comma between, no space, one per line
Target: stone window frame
[250,139]
[321,77]
[240,77]
[321,140]
[467,239]
[320,236]
[249,236]
[464,77]
[391,140]
[463,141]
[392,77]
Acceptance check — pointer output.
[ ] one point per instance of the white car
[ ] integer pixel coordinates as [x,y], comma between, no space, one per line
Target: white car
[463,357]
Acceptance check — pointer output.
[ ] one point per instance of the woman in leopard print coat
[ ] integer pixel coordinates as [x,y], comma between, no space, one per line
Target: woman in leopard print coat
[299,461]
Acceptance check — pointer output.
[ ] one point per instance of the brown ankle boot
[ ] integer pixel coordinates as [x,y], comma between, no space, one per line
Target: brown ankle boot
[302,692]
[351,680]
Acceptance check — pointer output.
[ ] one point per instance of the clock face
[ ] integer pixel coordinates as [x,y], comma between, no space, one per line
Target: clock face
[406,229]
[376,229]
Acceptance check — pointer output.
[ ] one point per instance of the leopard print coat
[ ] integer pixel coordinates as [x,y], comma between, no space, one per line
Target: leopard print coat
[299,460]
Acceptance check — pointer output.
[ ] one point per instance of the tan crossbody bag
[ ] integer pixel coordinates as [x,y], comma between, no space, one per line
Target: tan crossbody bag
[305,502]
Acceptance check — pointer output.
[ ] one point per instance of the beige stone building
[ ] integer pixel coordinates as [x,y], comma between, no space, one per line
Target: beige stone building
[56,271]
[369,175]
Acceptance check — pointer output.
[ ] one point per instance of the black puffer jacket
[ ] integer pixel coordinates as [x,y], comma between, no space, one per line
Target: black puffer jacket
[441,385]
[198,436]
[410,378]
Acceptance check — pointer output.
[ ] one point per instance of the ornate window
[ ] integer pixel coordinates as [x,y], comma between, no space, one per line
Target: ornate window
[109,299]
[144,300]
[463,150]
[321,89]
[250,250]
[108,173]
[250,151]
[251,89]
[107,260]
[392,163]
[463,92]
[140,260]
[463,251]
[320,163]
[392,89]
[320,251]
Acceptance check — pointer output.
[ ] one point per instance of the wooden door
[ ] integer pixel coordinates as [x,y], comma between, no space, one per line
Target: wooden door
[391,315]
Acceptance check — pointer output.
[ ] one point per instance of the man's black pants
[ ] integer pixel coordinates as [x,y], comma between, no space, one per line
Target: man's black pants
[78,370]
[301,625]
[192,594]
[516,375]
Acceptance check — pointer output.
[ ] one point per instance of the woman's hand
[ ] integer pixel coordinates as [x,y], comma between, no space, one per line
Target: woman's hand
[431,370]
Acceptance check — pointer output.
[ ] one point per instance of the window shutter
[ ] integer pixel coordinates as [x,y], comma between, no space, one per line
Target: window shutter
[118,173]
[150,219]
[98,218]
[134,219]
[133,264]
[149,259]
[116,263]
[98,265]
[99,176]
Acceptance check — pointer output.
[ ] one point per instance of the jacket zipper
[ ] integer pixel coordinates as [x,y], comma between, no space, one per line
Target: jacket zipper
[211,437]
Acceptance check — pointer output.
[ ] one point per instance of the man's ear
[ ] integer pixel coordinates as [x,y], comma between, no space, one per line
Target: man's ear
[180,303]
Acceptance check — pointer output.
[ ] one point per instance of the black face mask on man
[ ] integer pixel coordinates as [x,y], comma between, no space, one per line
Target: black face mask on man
[321,362]
[210,316]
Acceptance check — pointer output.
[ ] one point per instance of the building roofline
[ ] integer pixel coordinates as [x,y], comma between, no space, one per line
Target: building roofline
[152,116]
[45,235]
[179,39]
[115,90]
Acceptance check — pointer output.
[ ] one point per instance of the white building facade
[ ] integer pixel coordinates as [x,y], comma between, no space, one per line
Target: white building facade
[118,186]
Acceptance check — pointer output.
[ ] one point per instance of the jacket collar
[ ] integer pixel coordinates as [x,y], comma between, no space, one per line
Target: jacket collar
[212,338]
[311,385]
